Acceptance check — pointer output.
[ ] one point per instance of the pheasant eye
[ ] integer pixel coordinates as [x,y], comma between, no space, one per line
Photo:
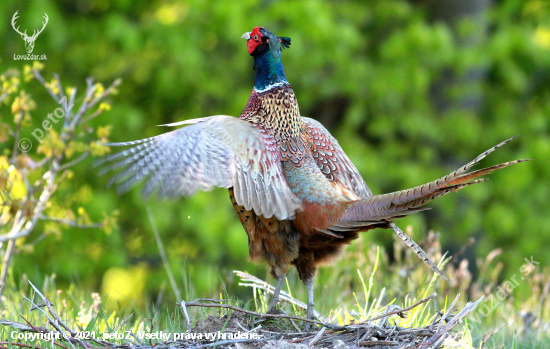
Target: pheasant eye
[256,37]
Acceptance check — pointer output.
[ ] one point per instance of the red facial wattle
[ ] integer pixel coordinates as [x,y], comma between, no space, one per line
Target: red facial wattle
[255,39]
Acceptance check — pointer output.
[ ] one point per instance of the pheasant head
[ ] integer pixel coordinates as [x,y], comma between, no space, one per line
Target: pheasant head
[266,49]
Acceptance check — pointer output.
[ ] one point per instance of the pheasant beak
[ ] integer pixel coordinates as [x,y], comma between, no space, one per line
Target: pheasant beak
[246,36]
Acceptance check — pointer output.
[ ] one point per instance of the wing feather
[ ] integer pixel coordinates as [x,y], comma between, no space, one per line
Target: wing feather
[218,151]
[334,163]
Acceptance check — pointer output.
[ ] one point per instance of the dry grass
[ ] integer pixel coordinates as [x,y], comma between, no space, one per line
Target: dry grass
[379,305]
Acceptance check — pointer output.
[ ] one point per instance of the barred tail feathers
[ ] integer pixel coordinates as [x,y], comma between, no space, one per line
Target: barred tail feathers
[417,249]
[402,203]
[381,210]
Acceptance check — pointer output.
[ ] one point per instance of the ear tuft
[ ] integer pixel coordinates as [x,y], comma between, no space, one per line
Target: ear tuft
[285,42]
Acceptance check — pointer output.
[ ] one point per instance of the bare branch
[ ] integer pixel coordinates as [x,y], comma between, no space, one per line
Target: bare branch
[265,316]
[39,77]
[89,103]
[70,222]
[43,331]
[61,93]
[74,162]
[424,300]
[184,309]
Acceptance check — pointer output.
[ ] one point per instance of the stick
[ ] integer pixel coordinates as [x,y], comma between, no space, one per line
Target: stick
[183,306]
[54,323]
[317,337]
[269,316]
[377,343]
[454,321]
[229,341]
[400,310]
[38,331]
[20,345]
[449,311]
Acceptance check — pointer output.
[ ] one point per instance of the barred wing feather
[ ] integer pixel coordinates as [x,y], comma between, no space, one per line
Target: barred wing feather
[217,151]
[334,163]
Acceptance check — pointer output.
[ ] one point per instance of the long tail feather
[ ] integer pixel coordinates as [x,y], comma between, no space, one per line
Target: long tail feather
[419,252]
[401,203]
[380,210]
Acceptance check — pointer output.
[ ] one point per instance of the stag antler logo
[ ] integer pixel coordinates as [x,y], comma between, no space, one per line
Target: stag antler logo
[29,40]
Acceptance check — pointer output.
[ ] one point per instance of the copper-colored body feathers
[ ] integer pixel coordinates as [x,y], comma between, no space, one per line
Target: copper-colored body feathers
[336,202]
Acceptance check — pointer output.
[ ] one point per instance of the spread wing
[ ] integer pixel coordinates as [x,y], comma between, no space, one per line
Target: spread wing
[217,151]
[334,163]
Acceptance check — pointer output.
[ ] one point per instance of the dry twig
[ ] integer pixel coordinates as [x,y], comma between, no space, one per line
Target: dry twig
[217,304]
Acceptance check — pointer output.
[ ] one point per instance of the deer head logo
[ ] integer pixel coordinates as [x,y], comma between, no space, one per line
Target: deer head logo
[29,40]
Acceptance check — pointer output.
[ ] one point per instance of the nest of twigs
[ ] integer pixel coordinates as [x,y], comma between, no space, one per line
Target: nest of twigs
[374,333]
[241,328]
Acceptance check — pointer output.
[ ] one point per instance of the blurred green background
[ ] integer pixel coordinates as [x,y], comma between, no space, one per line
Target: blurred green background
[412,90]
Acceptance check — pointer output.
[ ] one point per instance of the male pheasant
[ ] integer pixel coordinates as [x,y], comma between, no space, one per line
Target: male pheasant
[297,195]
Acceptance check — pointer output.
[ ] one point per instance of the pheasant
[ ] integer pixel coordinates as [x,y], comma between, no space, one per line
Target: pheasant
[297,194]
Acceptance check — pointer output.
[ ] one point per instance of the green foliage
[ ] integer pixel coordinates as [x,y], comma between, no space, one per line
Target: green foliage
[36,172]
[409,96]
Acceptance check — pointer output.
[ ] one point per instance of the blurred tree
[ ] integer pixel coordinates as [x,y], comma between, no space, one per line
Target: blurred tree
[28,184]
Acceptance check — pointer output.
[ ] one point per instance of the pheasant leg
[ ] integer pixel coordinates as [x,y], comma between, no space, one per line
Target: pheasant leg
[273,304]
[310,315]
